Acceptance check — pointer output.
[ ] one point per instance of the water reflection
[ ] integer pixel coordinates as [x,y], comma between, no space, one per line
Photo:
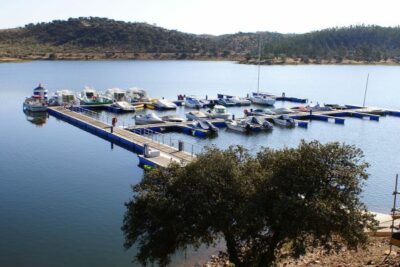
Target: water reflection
[39,118]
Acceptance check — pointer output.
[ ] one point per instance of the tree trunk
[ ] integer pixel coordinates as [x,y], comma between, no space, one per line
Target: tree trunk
[232,250]
[268,258]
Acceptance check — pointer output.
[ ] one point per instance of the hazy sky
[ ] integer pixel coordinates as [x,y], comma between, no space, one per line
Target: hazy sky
[212,17]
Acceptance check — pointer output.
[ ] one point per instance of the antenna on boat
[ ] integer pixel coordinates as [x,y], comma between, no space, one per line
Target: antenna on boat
[365,92]
[259,59]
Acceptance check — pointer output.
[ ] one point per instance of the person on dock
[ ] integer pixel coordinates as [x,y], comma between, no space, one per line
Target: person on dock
[113,123]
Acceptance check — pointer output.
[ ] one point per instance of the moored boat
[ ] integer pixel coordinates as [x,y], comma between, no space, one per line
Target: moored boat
[318,107]
[204,125]
[240,101]
[218,112]
[336,106]
[301,109]
[124,106]
[172,118]
[195,115]
[135,94]
[116,94]
[38,101]
[164,104]
[263,99]
[193,102]
[258,112]
[284,120]
[280,111]
[63,97]
[149,118]
[227,102]
[90,96]
[261,122]
[239,126]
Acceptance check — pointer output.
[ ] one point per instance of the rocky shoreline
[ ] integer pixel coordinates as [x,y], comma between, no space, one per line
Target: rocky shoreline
[92,56]
[376,253]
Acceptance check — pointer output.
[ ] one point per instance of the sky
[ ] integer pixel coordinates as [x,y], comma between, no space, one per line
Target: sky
[210,16]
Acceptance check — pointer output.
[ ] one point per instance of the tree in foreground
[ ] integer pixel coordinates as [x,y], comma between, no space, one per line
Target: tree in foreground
[300,197]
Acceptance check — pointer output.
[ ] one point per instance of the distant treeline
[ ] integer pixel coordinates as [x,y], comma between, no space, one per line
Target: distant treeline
[358,43]
[93,38]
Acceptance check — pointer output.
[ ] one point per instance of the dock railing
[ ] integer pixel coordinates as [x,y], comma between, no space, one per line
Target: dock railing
[103,116]
[91,113]
[190,148]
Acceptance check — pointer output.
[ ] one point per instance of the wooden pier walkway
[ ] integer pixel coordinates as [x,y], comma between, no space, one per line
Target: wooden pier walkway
[135,141]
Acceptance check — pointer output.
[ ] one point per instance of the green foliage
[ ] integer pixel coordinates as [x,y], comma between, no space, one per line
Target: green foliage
[360,43]
[304,196]
[101,33]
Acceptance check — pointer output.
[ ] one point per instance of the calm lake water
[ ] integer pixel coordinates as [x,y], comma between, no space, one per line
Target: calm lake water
[62,190]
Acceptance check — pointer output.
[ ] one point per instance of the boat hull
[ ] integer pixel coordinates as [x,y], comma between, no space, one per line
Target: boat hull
[284,123]
[191,116]
[192,105]
[236,128]
[263,101]
[34,108]
[219,116]
[143,122]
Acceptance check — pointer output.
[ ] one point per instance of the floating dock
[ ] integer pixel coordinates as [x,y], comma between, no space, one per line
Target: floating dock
[124,138]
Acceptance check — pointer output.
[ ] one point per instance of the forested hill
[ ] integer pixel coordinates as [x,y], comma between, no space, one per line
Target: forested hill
[101,37]
[98,38]
[357,43]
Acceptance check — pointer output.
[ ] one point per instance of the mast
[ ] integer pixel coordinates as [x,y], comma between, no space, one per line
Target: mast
[365,92]
[259,59]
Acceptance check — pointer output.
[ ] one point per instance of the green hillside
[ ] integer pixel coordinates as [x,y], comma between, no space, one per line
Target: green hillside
[101,38]
[358,43]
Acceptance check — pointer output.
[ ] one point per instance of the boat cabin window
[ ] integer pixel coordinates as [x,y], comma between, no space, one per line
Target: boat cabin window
[119,96]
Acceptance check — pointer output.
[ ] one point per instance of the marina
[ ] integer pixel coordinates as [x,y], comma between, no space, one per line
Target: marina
[76,109]
[135,137]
